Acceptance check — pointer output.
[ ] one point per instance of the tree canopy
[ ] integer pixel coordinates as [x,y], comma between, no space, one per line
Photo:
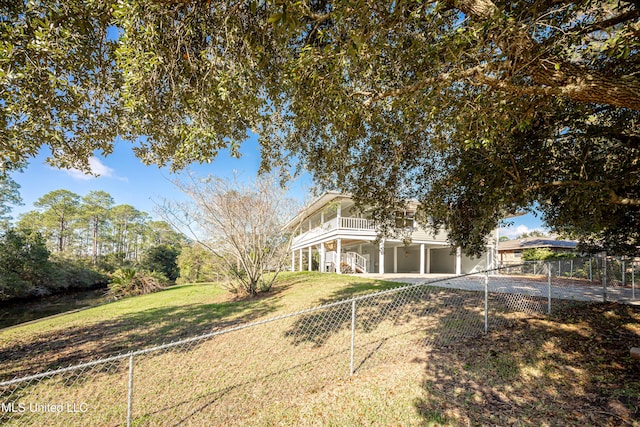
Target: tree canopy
[476,108]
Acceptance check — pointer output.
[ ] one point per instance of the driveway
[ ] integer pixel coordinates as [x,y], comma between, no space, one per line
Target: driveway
[561,288]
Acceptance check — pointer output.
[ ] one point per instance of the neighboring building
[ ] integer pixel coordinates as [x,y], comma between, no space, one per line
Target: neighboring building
[511,250]
[333,236]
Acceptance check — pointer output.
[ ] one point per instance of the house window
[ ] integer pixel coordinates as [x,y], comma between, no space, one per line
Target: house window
[517,254]
[404,219]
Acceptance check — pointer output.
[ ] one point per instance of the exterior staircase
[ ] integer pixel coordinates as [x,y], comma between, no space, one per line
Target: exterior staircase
[350,262]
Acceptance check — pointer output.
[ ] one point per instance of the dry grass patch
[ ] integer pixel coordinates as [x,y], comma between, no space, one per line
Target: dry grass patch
[572,369]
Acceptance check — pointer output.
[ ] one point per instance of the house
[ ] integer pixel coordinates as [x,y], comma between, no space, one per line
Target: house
[511,250]
[333,236]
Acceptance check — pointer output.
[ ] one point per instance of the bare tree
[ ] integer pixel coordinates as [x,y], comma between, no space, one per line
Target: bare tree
[240,223]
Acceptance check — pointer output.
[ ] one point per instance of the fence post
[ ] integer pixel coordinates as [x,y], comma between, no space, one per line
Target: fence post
[604,277]
[353,333]
[486,302]
[624,272]
[130,393]
[590,268]
[571,268]
[559,268]
[549,289]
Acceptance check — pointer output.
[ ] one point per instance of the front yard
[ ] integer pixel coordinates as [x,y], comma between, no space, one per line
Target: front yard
[572,368]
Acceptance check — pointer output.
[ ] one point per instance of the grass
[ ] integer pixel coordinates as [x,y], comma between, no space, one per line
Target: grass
[569,369]
[175,313]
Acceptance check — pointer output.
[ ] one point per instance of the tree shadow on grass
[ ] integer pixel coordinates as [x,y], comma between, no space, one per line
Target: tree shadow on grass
[572,368]
[127,333]
[418,305]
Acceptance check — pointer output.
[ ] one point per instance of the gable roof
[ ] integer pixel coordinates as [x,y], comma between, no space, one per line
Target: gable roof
[536,242]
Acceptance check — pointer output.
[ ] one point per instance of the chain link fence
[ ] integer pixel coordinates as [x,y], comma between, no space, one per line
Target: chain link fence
[230,376]
[592,278]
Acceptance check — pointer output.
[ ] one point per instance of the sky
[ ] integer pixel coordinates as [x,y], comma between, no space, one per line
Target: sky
[129,181]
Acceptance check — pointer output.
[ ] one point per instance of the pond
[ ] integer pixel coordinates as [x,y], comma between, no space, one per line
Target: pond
[20,311]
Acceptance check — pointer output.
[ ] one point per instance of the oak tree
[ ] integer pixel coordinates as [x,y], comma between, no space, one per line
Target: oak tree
[476,108]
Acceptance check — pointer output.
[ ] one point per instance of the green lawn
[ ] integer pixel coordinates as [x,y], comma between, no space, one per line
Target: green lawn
[572,368]
[175,313]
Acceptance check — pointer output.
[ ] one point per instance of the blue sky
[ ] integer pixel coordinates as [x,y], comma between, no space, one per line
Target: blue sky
[129,181]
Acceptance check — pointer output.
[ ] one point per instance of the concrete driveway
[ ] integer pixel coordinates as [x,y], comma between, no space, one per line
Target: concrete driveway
[561,288]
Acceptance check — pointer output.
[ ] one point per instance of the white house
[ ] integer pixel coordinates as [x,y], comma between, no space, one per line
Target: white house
[331,235]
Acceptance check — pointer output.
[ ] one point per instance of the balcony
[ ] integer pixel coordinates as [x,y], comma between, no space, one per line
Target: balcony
[335,225]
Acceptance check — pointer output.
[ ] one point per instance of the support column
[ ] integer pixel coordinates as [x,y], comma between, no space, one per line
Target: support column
[339,260]
[395,259]
[421,258]
[338,215]
[323,259]
[300,260]
[458,261]
[293,260]
[310,264]
[381,257]
[428,268]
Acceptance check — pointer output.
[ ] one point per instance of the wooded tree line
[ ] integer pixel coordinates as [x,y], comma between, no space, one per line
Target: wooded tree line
[73,242]
[93,226]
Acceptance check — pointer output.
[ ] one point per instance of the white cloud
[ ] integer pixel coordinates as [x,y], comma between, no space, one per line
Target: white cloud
[98,169]
[513,232]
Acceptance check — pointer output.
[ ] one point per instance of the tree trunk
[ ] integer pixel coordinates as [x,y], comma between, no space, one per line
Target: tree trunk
[95,240]
[61,235]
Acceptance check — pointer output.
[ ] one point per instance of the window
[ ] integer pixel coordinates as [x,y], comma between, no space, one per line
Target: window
[404,219]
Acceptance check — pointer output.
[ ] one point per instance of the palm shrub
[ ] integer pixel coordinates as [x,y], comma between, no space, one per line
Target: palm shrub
[130,281]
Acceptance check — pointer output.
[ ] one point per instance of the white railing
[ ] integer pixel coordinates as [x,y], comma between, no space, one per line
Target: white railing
[355,261]
[356,223]
[332,224]
[346,223]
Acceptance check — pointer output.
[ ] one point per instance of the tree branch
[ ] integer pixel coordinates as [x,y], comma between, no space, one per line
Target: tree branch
[630,15]
[373,97]
[557,77]
[625,201]
[621,91]
[614,198]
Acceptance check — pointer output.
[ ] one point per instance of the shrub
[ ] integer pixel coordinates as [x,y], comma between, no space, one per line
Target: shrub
[129,281]
[163,258]
[24,263]
[69,273]
[545,254]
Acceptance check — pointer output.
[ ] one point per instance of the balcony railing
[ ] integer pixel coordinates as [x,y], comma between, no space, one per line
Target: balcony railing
[346,223]
[356,223]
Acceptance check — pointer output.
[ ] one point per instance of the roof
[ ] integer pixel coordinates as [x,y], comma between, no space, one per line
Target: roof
[536,242]
[319,203]
[313,207]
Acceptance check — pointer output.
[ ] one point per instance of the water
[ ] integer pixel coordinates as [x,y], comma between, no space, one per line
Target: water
[16,312]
